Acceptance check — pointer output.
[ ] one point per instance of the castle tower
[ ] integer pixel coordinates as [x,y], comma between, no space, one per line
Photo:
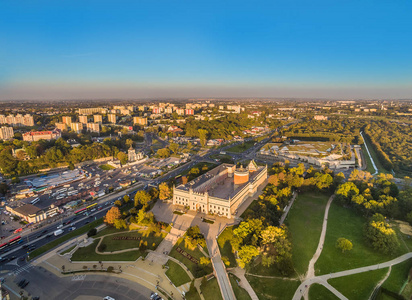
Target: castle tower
[241,175]
[252,166]
[131,154]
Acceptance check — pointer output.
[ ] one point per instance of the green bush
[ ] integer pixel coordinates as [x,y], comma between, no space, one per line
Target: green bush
[92,232]
[102,247]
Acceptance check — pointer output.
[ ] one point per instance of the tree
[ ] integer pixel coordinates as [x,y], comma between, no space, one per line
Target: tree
[3,188]
[203,136]
[204,261]
[380,235]
[246,254]
[112,215]
[184,180]
[164,191]
[141,197]
[174,147]
[154,193]
[323,181]
[344,244]
[120,224]
[129,143]
[122,157]
[92,232]
[163,153]
[126,198]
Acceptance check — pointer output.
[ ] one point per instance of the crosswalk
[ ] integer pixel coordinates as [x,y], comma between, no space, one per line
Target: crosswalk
[20,270]
[78,277]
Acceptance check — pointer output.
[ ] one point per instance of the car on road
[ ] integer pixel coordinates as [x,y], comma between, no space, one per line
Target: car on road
[87,222]
[60,226]
[72,228]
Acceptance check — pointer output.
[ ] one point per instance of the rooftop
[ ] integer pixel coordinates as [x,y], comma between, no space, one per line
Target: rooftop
[27,209]
[223,188]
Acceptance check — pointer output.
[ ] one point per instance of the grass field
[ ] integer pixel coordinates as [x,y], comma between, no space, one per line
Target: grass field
[109,230]
[378,164]
[195,269]
[210,290]
[64,238]
[273,288]
[240,293]
[152,240]
[89,254]
[225,246]
[319,292]
[369,166]
[241,147]
[345,222]
[176,274]
[398,277]
[305,224]
[106,167]
[359,286]
[192,294]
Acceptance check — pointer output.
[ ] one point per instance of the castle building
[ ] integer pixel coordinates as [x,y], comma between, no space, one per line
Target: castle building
[133,156]
[221,190]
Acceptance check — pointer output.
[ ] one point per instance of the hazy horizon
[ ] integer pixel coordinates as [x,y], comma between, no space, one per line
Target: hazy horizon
[141,49]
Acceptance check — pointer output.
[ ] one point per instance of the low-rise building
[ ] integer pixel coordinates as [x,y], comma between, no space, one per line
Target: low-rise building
[31,213]
[33,136]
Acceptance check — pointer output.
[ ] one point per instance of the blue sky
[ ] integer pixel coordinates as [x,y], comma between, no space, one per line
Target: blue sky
[158,48]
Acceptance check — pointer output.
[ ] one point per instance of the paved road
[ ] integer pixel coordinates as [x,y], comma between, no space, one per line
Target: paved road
[71,287]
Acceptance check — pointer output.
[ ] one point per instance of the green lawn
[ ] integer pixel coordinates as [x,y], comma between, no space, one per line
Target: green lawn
[319,292]
[116,245]
[109,230]
[210,290]
[305,224]
[398,277]
[369,166]
[192,294]
[225,246]
[106,167]
[273,288]
[176,274]
[240,293]
[241,147]
[378,164]
[359,286]
[89,254]
[345,222]
[196,269]
[68,250]
[70,235]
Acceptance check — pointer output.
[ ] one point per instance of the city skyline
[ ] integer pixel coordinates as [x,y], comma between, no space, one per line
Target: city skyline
[73,50]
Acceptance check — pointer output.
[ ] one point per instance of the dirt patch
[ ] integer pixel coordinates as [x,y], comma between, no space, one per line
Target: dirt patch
[404,227]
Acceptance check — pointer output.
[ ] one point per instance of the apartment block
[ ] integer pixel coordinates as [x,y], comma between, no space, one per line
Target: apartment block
[6,133]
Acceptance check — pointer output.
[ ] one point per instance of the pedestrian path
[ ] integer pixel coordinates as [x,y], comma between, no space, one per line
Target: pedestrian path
[184,288]
[240,273]
[161,252]
[311,269]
